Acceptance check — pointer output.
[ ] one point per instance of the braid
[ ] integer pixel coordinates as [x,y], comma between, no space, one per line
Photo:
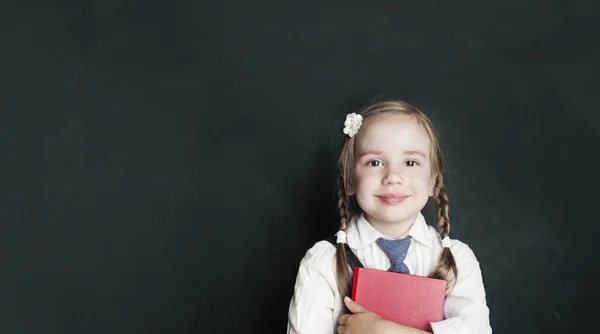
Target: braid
[447,264]
[441,198]
[343,273]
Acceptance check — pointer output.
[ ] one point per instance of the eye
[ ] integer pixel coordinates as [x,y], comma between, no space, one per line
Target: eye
[375,163]
[412,163]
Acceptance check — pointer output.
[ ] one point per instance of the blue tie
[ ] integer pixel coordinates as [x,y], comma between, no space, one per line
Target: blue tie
[396,251]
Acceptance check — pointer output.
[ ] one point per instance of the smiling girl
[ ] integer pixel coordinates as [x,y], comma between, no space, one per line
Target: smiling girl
[390,165]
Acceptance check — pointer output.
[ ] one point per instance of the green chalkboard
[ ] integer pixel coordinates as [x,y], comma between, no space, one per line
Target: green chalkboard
[166,165]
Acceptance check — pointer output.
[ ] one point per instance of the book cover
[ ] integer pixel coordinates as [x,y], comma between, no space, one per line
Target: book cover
[410,300]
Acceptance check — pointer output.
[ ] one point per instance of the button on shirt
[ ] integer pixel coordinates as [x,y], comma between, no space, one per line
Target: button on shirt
[317,305]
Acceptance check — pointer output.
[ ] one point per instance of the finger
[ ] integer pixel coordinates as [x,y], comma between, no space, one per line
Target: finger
[344,319]
[341,329]
[353,306]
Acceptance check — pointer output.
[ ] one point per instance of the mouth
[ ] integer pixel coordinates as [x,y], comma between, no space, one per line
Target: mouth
[392,198]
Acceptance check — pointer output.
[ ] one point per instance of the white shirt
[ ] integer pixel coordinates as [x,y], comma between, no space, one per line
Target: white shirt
[317,305]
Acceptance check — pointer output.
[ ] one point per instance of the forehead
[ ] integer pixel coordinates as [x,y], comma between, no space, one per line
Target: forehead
[392,132]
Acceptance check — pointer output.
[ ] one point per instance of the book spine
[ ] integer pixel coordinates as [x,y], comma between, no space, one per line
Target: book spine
[354,281]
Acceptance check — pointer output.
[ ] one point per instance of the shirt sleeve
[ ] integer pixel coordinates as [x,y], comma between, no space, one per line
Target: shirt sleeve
[312,305]
[465,308]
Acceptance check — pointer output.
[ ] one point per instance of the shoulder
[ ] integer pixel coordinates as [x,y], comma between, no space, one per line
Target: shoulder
[465,258]
[466,261]
[460,250]
[319,255]
[317,268]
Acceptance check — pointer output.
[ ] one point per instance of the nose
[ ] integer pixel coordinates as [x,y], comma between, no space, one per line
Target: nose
[393,175]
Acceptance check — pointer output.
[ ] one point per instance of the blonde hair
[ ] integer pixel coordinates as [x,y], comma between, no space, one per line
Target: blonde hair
[348,207]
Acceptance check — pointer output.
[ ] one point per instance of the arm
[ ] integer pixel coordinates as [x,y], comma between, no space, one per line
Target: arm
[312,305]
[394,328]
[465,308]
[362,321]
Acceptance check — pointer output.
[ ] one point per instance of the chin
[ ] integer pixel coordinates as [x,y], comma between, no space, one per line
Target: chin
[393,216]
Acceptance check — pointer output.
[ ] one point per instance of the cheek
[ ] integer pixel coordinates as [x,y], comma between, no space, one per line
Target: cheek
[421,178]
[365,178]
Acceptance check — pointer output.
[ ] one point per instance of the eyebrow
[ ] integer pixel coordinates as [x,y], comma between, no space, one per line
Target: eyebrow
[415,153]
[405,152]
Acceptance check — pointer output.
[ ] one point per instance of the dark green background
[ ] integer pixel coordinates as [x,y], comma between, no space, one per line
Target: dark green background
[166,164]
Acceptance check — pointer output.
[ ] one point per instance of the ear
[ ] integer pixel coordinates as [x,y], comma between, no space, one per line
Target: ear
[350,187]
[432,184]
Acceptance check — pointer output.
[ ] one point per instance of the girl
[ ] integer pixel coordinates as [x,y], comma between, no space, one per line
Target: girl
[390,164]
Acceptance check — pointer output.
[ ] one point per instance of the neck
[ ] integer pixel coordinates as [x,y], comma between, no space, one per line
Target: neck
[393,229]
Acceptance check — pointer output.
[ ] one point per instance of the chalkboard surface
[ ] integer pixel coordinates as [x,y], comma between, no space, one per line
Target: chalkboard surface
[166,165]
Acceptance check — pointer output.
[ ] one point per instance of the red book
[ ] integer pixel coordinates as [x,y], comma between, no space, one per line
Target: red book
[410,300]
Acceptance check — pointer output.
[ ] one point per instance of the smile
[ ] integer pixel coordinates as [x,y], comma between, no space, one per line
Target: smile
[393,198]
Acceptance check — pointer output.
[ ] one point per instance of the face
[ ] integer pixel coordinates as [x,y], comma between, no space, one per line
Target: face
[392,174]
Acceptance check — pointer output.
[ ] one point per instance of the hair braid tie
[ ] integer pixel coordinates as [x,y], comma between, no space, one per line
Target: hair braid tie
[446,242]
[342,237]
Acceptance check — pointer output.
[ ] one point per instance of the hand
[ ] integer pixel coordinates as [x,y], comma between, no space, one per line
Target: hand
[363,321]
[359,321]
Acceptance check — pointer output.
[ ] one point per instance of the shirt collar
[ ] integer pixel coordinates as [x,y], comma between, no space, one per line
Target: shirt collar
[361,234]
